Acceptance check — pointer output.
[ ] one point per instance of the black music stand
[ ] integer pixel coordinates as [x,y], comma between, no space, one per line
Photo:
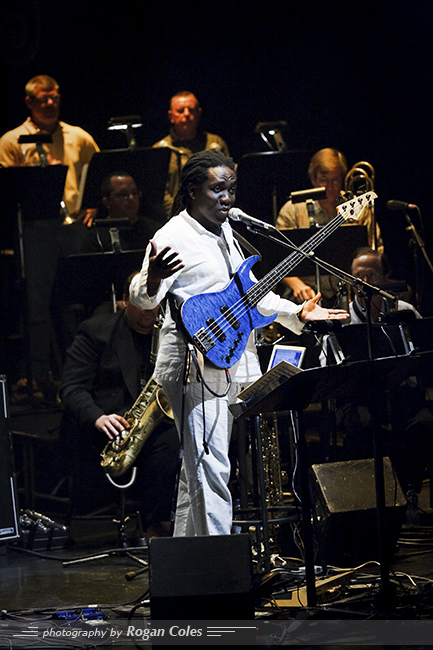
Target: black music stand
[86,278]
[148,166]
[266,178]
[282,389]
[123,549]
[34,194]
[37,190]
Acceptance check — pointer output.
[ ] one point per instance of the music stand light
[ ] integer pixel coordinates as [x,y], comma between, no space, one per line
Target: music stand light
[126,123]
[270,132]
[38,139]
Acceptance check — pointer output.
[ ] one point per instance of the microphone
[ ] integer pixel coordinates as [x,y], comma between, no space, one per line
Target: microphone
[343,300]
[238,215]
[154,345]
[400,205]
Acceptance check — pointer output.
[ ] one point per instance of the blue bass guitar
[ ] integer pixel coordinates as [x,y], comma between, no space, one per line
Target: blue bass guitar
[219,323]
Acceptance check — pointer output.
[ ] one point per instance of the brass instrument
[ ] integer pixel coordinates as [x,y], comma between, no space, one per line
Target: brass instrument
[362,173]
[274,477]
[358,180]
[150,407]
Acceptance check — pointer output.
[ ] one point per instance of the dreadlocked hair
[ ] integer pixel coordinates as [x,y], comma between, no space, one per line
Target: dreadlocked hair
[195,172]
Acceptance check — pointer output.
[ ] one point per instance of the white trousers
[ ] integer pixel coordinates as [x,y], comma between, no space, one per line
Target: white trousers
[204,504]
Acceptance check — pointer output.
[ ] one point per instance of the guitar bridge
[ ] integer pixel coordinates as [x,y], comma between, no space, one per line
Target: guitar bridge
[203,340]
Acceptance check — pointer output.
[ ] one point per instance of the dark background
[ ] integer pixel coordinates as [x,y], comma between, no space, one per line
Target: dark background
[349,74]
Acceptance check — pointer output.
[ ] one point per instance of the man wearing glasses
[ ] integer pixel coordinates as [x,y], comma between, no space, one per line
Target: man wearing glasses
[327,168]
[121,200]
[71,145]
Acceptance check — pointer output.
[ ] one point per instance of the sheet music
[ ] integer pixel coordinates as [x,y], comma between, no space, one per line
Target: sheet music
[269,382]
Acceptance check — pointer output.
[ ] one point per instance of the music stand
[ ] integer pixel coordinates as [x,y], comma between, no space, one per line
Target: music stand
[123,549]
[266,178]
[282,389]
[148,166]
[37,190]
[86,277]
[34,194]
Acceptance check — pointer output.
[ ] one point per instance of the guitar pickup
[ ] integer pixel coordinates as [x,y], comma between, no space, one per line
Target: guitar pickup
[227,313]
[216,329]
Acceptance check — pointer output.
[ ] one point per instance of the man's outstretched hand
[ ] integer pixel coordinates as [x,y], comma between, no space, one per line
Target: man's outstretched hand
[311,311]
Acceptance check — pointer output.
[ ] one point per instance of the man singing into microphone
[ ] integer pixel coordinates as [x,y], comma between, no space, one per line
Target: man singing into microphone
[196,253]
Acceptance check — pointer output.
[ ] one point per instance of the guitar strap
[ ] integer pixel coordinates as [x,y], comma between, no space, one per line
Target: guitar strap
[248,247]
[246,244]
[174,309]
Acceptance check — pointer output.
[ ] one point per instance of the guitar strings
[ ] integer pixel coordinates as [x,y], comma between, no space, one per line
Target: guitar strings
[259,289]
[256,292]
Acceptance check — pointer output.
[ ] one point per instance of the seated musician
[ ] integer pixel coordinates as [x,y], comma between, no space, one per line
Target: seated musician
[327,168]
[120,201]
[373,267]
[121,204]
[106,367]
[408,432]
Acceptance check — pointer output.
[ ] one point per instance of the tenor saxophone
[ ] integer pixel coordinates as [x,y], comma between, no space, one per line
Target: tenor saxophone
[150,407]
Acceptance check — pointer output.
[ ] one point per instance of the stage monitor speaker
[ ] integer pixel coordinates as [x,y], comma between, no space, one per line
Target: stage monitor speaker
[344,500]
[9,512]
[201,578]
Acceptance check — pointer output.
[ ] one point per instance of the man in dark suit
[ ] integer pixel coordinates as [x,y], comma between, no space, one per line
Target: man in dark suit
[108,364]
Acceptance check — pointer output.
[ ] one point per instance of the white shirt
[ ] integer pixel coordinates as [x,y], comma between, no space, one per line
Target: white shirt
[210,261]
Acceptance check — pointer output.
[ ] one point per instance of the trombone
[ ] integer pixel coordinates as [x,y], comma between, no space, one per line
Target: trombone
[358,180]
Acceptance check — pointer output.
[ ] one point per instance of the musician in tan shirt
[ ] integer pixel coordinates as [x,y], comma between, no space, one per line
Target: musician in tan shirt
[185,139]
[73,147]
[327,168]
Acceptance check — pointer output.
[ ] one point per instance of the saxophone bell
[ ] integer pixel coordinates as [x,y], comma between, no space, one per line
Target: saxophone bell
[148,411]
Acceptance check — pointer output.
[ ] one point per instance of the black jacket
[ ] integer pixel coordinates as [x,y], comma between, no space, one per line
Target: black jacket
[101,373]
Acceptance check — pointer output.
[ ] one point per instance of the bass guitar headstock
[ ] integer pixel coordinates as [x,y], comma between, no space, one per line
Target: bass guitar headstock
[353,208]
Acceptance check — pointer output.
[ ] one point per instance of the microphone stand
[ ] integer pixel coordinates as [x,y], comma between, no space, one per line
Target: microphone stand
[385,595]
[313,226]
[326,266]
[417,244]
[367,291]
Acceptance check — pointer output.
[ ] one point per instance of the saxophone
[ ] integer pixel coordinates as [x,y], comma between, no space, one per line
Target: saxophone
[150,407]
[274,477]
[271,461]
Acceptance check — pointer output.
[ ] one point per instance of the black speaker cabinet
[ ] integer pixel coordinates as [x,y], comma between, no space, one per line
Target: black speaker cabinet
[201,578]
[9,511]
[344,499]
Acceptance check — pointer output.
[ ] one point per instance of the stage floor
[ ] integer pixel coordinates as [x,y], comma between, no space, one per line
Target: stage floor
[39,581]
